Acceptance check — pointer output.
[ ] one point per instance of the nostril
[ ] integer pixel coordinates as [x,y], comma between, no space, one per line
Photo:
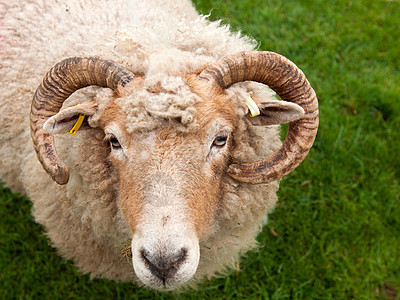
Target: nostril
[177,258]
[163,265]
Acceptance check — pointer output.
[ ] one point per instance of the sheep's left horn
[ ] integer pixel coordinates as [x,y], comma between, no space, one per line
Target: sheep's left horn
[289,82]
[59,83]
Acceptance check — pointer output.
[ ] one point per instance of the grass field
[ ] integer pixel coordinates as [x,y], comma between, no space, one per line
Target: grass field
[336,232]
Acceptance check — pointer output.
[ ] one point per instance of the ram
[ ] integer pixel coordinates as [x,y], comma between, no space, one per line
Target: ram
[166,157]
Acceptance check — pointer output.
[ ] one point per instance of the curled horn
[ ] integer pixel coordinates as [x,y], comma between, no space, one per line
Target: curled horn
[59,83]
[289,82]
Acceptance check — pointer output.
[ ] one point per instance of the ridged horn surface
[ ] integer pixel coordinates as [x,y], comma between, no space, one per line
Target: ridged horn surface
[58,84]
[289,82]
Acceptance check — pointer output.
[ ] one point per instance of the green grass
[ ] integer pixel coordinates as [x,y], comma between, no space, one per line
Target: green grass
[336,231]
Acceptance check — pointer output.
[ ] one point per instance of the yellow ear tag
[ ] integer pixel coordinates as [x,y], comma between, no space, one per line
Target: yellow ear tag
[77,125]
[253,108]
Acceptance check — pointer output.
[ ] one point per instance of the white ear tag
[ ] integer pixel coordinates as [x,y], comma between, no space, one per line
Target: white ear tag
[253,108]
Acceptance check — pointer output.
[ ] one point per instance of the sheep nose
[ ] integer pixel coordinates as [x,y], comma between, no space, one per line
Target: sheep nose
[164,266]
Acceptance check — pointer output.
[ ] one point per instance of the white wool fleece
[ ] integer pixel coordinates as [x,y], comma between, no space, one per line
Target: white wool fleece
[158,39]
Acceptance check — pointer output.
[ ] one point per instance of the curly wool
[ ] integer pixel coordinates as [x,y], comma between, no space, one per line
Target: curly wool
[83,218]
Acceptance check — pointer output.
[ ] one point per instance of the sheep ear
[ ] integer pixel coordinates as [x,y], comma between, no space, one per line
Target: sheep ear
[273,112]
[66,119]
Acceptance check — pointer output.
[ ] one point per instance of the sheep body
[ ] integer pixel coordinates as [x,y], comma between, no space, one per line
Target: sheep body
[161,40]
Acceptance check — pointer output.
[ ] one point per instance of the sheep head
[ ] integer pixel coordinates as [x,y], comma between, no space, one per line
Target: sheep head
[169,179]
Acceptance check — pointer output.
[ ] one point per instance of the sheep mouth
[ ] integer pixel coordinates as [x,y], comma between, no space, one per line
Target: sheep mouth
[165,264]
[165,268]
[165,272]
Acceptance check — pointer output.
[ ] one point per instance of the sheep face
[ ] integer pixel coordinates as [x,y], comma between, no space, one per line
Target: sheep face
[170,186]
[169,177]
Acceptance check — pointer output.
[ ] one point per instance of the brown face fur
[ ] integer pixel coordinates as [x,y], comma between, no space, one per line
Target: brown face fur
[186,164]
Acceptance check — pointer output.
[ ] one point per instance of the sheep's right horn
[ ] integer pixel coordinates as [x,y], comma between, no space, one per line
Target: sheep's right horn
[59,83]
[289,82]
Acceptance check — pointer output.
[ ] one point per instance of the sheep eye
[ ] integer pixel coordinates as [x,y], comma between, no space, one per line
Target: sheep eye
[114,143]
[220,141]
